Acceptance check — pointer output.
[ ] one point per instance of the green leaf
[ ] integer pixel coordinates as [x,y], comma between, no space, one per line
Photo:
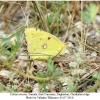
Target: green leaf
[7,53]
[15,88]
[97,76]
[45,89]
[40,74]
[15,45]
[71,88]
[1,88]
[73,64]
[50,65]
[88,16]
[1,8]
[57,72]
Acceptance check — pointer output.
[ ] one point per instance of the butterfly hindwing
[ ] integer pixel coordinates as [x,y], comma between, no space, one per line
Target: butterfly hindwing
[41,44]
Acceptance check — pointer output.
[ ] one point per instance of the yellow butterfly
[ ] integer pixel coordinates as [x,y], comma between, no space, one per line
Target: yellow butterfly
[41,44]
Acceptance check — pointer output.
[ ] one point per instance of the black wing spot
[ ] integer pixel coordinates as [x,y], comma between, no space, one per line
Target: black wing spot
[49,38]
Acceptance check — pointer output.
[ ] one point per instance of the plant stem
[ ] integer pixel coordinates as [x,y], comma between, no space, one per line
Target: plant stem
[3,86]
[93,88]
[41,16]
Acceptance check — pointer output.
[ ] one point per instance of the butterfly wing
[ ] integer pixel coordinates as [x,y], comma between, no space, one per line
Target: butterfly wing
[33,32]
[42,47]
[41,44]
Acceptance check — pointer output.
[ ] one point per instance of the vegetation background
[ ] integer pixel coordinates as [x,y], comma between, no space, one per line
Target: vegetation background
[76,23]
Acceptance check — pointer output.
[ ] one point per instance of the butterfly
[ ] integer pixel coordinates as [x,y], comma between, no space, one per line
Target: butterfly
[41,44]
